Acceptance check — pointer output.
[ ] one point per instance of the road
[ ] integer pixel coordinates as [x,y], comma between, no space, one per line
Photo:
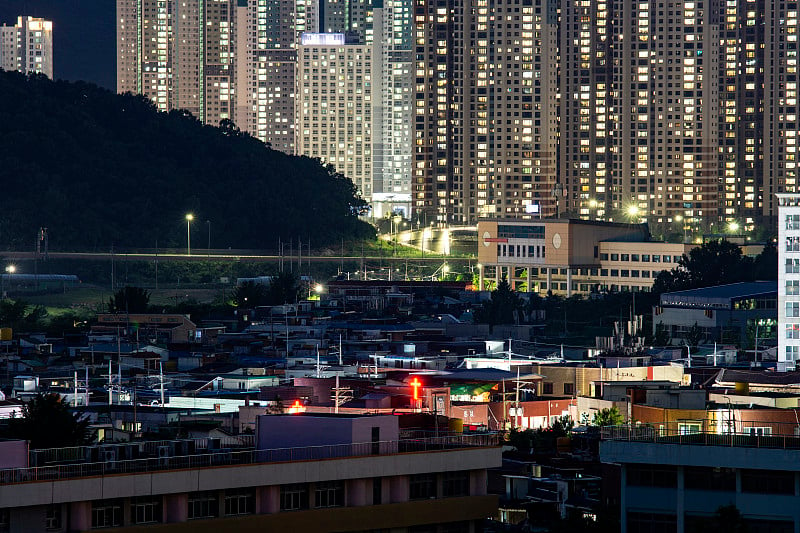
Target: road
[225,255]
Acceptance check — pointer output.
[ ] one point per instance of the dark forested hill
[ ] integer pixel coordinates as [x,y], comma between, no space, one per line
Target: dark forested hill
[98,169]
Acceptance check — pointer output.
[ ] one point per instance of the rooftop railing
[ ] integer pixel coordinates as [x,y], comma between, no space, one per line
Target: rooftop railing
[749,435]
[223,458]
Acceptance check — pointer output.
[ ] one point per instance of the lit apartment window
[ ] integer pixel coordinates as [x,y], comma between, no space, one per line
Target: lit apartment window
[106,513]
[203,505]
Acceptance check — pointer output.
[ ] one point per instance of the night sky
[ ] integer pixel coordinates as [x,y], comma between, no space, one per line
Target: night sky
[84,36]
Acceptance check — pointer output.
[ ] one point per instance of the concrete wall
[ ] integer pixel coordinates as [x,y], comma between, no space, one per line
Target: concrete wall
[289,431]
[255,475]
[13,453]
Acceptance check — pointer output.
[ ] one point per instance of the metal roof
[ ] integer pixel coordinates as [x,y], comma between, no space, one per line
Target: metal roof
[720,295]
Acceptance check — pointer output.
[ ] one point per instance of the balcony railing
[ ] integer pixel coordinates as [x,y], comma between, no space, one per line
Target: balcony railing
[246,457]
[781,436]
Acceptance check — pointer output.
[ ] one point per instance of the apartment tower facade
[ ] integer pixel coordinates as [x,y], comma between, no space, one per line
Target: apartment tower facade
[27,46]
[486,117]
[178,54]
[334,105]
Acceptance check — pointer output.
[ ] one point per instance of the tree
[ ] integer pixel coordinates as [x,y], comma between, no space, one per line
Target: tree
[694,335]
[726,519]
[607,417]
[661,335]
[716,262]
[284,288]
[562,426]
[129,299]
[504,306]
[47,423]
[765,265]
[250,294]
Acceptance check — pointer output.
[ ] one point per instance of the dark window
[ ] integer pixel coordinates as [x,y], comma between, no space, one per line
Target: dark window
[768,481]
[329,494]
[652,476]
[294,496]
[701,478]
[615,257]
[569,389]
[106,513]
[455,484]
[146,510]
[52,518]
[377,491]
[422,486]
[547,388]
[651,523]
[240,501]
[203,505]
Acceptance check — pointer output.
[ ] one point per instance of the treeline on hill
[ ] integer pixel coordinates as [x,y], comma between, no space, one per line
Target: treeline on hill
[99,169]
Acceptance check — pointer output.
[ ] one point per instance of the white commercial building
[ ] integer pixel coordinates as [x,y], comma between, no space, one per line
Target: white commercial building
[788,281]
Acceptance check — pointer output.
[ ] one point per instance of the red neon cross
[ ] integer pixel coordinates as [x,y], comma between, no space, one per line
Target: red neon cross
[415,384]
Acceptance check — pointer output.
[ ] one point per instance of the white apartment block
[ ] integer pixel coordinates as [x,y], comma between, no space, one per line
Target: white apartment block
[27,46]
[392,107]
[788,281]
[334,105]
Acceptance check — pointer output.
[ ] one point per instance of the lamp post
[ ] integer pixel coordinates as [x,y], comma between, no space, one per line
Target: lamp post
[679,218]
[189,218]
[10,269]
[395,227]
[208,248]
[633,213]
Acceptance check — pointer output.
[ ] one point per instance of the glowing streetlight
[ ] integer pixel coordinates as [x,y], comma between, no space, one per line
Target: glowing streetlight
[9,269]
[679,218]
[632,211]
[318,288]
[733,226]
[189,218]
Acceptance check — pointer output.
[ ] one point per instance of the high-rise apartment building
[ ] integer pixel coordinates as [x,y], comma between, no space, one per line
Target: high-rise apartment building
[680,113]
[27,46]
[334,105]
[486,116]
[392,114]
[179,54]
[641,113]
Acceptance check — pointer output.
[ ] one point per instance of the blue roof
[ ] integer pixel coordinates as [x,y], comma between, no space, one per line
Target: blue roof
[720,294]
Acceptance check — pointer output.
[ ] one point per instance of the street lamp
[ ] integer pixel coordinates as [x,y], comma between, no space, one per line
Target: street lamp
[395,227]
[189,218]
[9,269]
[633,212]
[733,227]
[679,218]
